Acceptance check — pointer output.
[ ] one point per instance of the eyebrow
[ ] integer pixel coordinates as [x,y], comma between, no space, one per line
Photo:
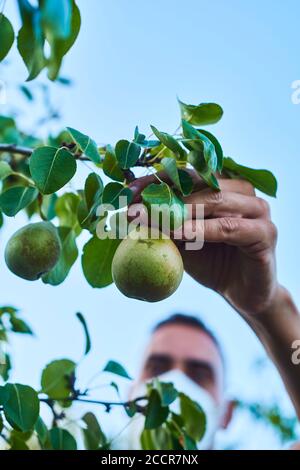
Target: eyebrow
[160,357]
[190,362]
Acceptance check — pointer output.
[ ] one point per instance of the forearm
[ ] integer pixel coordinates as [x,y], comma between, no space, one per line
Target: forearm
[278,328]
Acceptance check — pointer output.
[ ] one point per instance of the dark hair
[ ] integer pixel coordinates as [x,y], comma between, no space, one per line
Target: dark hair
[194,322]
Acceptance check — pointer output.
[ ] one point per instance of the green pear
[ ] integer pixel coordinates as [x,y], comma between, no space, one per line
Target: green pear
[147,268]
[33,250]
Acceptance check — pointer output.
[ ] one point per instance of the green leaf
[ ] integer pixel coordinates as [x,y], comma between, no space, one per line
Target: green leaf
[51,168]
[67,258]
[4,394]
[59,46]
[7,36]
[26,92]
[156,439]
[8,309]
[127,153]
[97,259]
[56,17]
[263,180]
[116,368]
[20,326]
[22,407]
[189,443]
[86,332]
[164,205]
[196,159]
[140,139]
[42,432]
[57,378]
[87,146]
[131,409]
[93,189]
[217,145]
[201,114]
[112,194]
[66,207]
[156,414]
[93,435]
[48,206]
[30,41]
[5,367]
[200,143]
[193,417]
[17,440]
[91,199]
[5,170]
[181,179]
[110,165]
[62,440]
[167,392]
[16,198]
[171,143]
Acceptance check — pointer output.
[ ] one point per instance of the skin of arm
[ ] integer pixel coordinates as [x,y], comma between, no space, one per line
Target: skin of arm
[238,261]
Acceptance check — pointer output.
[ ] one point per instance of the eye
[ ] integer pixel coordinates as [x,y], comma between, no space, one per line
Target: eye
[157,365]
[200,374]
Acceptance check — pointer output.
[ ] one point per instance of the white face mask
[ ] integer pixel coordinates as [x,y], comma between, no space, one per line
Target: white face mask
[183,384]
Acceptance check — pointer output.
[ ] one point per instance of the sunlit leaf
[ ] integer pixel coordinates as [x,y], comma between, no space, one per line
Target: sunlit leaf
[201,114]
[56,378]
[87,146]
[170,142]
[263,180]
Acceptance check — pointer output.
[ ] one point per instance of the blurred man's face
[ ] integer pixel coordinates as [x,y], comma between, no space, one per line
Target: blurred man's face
[190,350]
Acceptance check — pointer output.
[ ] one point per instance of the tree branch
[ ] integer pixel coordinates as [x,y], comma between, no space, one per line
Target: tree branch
[14,148]
[27,151]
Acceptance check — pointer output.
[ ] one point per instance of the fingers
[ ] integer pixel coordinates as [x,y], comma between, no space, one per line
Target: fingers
[257,233]
[138,185]
[226,204]
[230,185]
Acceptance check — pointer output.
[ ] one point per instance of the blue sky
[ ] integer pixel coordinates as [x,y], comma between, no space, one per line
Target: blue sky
[130,62]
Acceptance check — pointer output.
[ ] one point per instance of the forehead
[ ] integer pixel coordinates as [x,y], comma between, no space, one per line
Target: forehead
[185,342]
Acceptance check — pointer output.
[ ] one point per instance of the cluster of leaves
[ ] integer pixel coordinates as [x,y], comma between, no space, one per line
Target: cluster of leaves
[10,321]
[55,22]
[33,179]
[22,427]
[284,426]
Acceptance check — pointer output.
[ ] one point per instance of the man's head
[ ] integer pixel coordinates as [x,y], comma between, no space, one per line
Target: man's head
[184,343]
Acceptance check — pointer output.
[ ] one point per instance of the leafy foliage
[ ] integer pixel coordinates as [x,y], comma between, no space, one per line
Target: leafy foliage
[164,429]
[37,177]
[56,22]
[39,180]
